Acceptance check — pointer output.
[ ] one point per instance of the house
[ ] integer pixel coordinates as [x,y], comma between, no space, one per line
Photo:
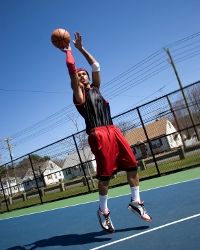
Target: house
[162,134]
[11,185]
[52,173]
[29,181]
[47,173]
[72,165]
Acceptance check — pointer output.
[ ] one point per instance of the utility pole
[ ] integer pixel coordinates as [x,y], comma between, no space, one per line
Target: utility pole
[182,91]
[7,140]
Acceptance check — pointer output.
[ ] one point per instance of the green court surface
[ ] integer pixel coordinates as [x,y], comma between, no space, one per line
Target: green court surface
[118,191]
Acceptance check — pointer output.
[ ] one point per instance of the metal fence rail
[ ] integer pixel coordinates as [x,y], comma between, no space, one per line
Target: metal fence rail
[164,135]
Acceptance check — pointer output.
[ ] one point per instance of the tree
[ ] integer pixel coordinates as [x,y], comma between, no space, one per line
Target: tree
[125,126]
[194,102]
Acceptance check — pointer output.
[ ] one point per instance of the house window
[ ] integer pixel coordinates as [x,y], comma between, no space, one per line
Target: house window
[156,143]
[49,176]
[176,137]
[69,171]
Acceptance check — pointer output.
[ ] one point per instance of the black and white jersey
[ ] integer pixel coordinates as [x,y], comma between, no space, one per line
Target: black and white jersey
[95,109]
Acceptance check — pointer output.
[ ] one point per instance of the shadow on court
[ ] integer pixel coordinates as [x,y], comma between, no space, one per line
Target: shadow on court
[74,239]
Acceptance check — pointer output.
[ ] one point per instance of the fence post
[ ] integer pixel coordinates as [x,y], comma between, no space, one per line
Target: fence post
[4,195]
[142,164]
[182,92]
[81,163]
[181,153]
[151,149]
[35,179]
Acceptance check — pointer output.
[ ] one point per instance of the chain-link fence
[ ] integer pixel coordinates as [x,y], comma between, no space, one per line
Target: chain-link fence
[163,134]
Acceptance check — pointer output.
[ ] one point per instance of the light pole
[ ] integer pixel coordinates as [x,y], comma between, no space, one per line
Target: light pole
[182,91]
[7,140]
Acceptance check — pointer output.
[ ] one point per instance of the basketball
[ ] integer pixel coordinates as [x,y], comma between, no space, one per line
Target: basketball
[60,38]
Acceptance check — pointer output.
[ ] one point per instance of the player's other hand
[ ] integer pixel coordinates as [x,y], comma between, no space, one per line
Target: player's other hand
[78,40]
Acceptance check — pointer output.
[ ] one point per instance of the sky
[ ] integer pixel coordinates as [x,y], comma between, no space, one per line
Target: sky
[126,37]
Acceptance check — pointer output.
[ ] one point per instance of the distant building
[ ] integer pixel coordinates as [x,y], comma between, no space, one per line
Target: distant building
[47,173]
[72,166]
[52,174]
[11,185]
[162,134]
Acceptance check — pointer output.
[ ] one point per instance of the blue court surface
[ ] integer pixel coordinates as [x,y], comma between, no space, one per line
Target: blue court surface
[176,224]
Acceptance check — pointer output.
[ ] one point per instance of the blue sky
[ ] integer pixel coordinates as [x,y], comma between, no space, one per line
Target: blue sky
[35,96]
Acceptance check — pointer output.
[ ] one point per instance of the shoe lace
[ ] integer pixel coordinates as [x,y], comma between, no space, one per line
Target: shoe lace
[108,221]
[142,205]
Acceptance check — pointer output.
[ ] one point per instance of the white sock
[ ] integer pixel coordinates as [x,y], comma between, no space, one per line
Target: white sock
[103,203]
[135,193]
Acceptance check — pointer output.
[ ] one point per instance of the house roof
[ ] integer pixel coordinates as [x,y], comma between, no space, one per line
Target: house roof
[40,168]
[154,130]
[73,159]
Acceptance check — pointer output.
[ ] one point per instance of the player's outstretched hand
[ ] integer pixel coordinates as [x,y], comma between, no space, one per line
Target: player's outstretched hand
[78,40]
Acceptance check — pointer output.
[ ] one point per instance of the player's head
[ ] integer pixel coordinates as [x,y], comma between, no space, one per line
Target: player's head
[83,75]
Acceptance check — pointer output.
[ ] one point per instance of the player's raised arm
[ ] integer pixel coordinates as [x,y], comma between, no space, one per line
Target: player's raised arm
[91,60]
[75,85]
[60,38]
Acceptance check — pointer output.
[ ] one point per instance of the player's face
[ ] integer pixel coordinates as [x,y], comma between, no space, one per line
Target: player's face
[83,77]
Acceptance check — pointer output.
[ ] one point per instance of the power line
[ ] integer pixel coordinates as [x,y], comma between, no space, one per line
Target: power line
[131,75]
[136,66]
[59,114]
[183,40]
[185,46]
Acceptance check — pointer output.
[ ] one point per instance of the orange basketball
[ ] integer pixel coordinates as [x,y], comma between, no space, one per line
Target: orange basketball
[60,38]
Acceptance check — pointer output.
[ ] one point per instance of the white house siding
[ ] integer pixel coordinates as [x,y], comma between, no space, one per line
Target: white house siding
[52,174]
[72,167]
[49,173]
[52,177]
[174,139]
[11,187]
[77,171]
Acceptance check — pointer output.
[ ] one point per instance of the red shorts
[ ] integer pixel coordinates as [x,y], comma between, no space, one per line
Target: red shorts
[112,151]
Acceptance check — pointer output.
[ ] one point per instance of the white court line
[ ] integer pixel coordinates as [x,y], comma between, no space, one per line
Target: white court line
[147,231]
[85,203]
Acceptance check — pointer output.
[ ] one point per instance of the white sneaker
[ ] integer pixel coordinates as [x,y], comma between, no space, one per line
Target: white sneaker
[139,209]
[105,221]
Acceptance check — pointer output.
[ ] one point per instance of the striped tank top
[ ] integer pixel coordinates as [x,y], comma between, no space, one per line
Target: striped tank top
[95,109]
